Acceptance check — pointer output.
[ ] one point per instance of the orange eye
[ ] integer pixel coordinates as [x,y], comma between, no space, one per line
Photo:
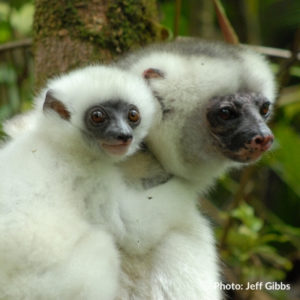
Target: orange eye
[265,108]
[133,115]
[98,116]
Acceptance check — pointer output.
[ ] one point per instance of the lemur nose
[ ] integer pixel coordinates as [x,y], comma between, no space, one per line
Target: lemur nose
[124,137]
[262,143]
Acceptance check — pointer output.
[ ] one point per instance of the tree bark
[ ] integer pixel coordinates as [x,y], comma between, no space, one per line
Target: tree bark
[75,33]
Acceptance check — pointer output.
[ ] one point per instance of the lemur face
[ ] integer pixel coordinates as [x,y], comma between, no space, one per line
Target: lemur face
[237,124]
[112,125]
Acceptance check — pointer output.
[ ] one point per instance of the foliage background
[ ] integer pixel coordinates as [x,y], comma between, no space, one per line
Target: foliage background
[255,210]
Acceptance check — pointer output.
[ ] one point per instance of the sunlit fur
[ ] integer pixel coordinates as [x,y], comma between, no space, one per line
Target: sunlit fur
[167,247]
[60,199]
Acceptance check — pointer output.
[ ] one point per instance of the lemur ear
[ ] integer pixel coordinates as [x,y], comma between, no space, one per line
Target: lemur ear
[153,73]
[52,103]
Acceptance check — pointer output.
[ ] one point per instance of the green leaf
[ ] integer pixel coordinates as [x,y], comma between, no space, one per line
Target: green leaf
[285,160]
[245,213]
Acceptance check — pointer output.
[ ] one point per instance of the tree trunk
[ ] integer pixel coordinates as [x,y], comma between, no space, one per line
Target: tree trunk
[74,33]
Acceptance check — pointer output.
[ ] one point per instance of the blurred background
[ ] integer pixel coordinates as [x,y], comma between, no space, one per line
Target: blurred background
[256,211]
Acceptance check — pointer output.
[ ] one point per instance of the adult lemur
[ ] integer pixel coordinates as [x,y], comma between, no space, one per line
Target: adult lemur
[213,100]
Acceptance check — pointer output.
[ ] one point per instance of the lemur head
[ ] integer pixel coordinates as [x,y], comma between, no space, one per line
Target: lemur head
[214,105]
[237,124]
[109,110]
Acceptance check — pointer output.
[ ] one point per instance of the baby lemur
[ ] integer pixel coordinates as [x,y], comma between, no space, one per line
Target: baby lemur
[60,191]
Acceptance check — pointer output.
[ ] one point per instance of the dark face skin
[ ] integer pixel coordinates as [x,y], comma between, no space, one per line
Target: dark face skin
[112,124]
[238,125]
[112,120]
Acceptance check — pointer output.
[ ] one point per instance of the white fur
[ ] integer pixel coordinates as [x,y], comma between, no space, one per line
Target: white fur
[166,246]
[168,251]
[59,205]
[189,81]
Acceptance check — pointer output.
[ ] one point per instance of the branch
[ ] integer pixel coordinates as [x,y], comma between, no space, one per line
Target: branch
[211,210]
[269,51]
[229,34]
[17,44]
[283,75]
[282,53]
[276,52]
[247,173]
